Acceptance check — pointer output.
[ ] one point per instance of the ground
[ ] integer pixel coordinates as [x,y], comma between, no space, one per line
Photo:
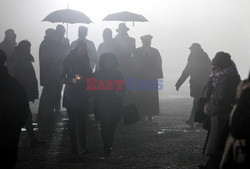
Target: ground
[167,143]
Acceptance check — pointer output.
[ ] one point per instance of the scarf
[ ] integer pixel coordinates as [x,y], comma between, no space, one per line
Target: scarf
[228,70]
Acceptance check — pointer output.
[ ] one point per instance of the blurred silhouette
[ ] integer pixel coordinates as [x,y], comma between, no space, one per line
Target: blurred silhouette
[198,69]
[76,68]
[22,70]
[108,103]
[14,109]
[8,44]
[125,45]
[226,80]
[147,64]
[52,52]
[108,44]
[236,153]
[82,34]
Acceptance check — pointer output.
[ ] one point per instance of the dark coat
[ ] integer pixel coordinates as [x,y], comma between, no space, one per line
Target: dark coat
[219,109]
[75,95]
[8,48]
[198,69]
[21,68]
[108,103]
[14,109]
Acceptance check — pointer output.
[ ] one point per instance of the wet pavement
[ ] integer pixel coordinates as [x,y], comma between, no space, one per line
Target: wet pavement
[167,143]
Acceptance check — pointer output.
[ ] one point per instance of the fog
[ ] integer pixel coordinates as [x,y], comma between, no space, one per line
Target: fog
[218,25]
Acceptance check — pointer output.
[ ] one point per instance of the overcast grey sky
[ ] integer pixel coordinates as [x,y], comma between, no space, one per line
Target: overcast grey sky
[218,25]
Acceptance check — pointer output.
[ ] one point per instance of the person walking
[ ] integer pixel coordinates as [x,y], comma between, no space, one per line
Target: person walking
[198,68]
[76,68]
[108,103]
[22,70]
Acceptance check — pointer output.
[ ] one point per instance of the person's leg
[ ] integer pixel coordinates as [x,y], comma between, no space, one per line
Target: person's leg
[105,132]
[190,121]
[112,128]
[72,129]
[34,141]
[82,116]
[58,96]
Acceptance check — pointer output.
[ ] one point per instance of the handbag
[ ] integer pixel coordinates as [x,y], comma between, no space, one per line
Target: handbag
[200,115]
[130,114]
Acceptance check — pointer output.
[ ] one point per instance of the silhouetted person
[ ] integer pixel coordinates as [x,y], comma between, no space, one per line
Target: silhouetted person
[108,103]
[76,68]
[147,64]
[14,109]
[108,44]
[219,107]
[125,45]
[82,34]
[198,69]
[22,70]
[53,50]
[8,44]
[239,135]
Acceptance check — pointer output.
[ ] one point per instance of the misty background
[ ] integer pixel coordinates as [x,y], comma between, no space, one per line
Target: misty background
[218,25]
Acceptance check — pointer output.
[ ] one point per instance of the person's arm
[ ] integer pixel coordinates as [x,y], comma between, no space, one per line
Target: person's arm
[185,74]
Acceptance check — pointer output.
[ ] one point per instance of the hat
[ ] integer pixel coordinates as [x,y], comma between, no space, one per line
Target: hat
[83,28]
[146,38]
[3,57]
[195,46]
[122,27]
[222,60]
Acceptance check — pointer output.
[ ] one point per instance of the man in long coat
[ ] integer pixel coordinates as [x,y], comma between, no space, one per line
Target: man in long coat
[198,68]
[147,66]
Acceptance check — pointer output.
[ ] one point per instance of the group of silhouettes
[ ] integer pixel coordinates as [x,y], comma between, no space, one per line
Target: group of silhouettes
[221,105]
[64,68]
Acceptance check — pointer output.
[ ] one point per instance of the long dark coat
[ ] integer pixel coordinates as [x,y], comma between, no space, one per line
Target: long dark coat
[21,68]
[147,65]
[198,69]
[219,108]
[8,48]
[108,103]
[14,108]
[75,95]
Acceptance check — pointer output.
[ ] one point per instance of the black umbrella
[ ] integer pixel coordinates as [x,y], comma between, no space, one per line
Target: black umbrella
[67,16]
[125,17]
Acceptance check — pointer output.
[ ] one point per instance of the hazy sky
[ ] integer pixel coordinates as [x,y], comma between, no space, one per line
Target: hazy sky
[218,25]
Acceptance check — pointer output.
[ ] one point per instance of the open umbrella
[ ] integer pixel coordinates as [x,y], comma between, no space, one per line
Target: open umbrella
[125,17]
[67,16]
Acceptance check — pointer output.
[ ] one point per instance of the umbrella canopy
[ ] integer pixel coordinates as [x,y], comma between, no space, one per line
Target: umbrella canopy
[125,16]
[67,16]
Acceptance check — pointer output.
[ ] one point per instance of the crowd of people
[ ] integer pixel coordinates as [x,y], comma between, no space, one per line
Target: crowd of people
[64,68]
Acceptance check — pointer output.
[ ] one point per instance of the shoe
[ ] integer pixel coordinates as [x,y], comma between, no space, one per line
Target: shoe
[191,124]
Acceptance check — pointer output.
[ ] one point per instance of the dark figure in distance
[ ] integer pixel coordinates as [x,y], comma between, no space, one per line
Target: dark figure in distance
[22,70]
[8,44]
[76,68]
[147,65]
[53,50]
[108,44]
[219,107]
[82,34]
[198,69]
[14,109]
[239,135]
[108,103]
